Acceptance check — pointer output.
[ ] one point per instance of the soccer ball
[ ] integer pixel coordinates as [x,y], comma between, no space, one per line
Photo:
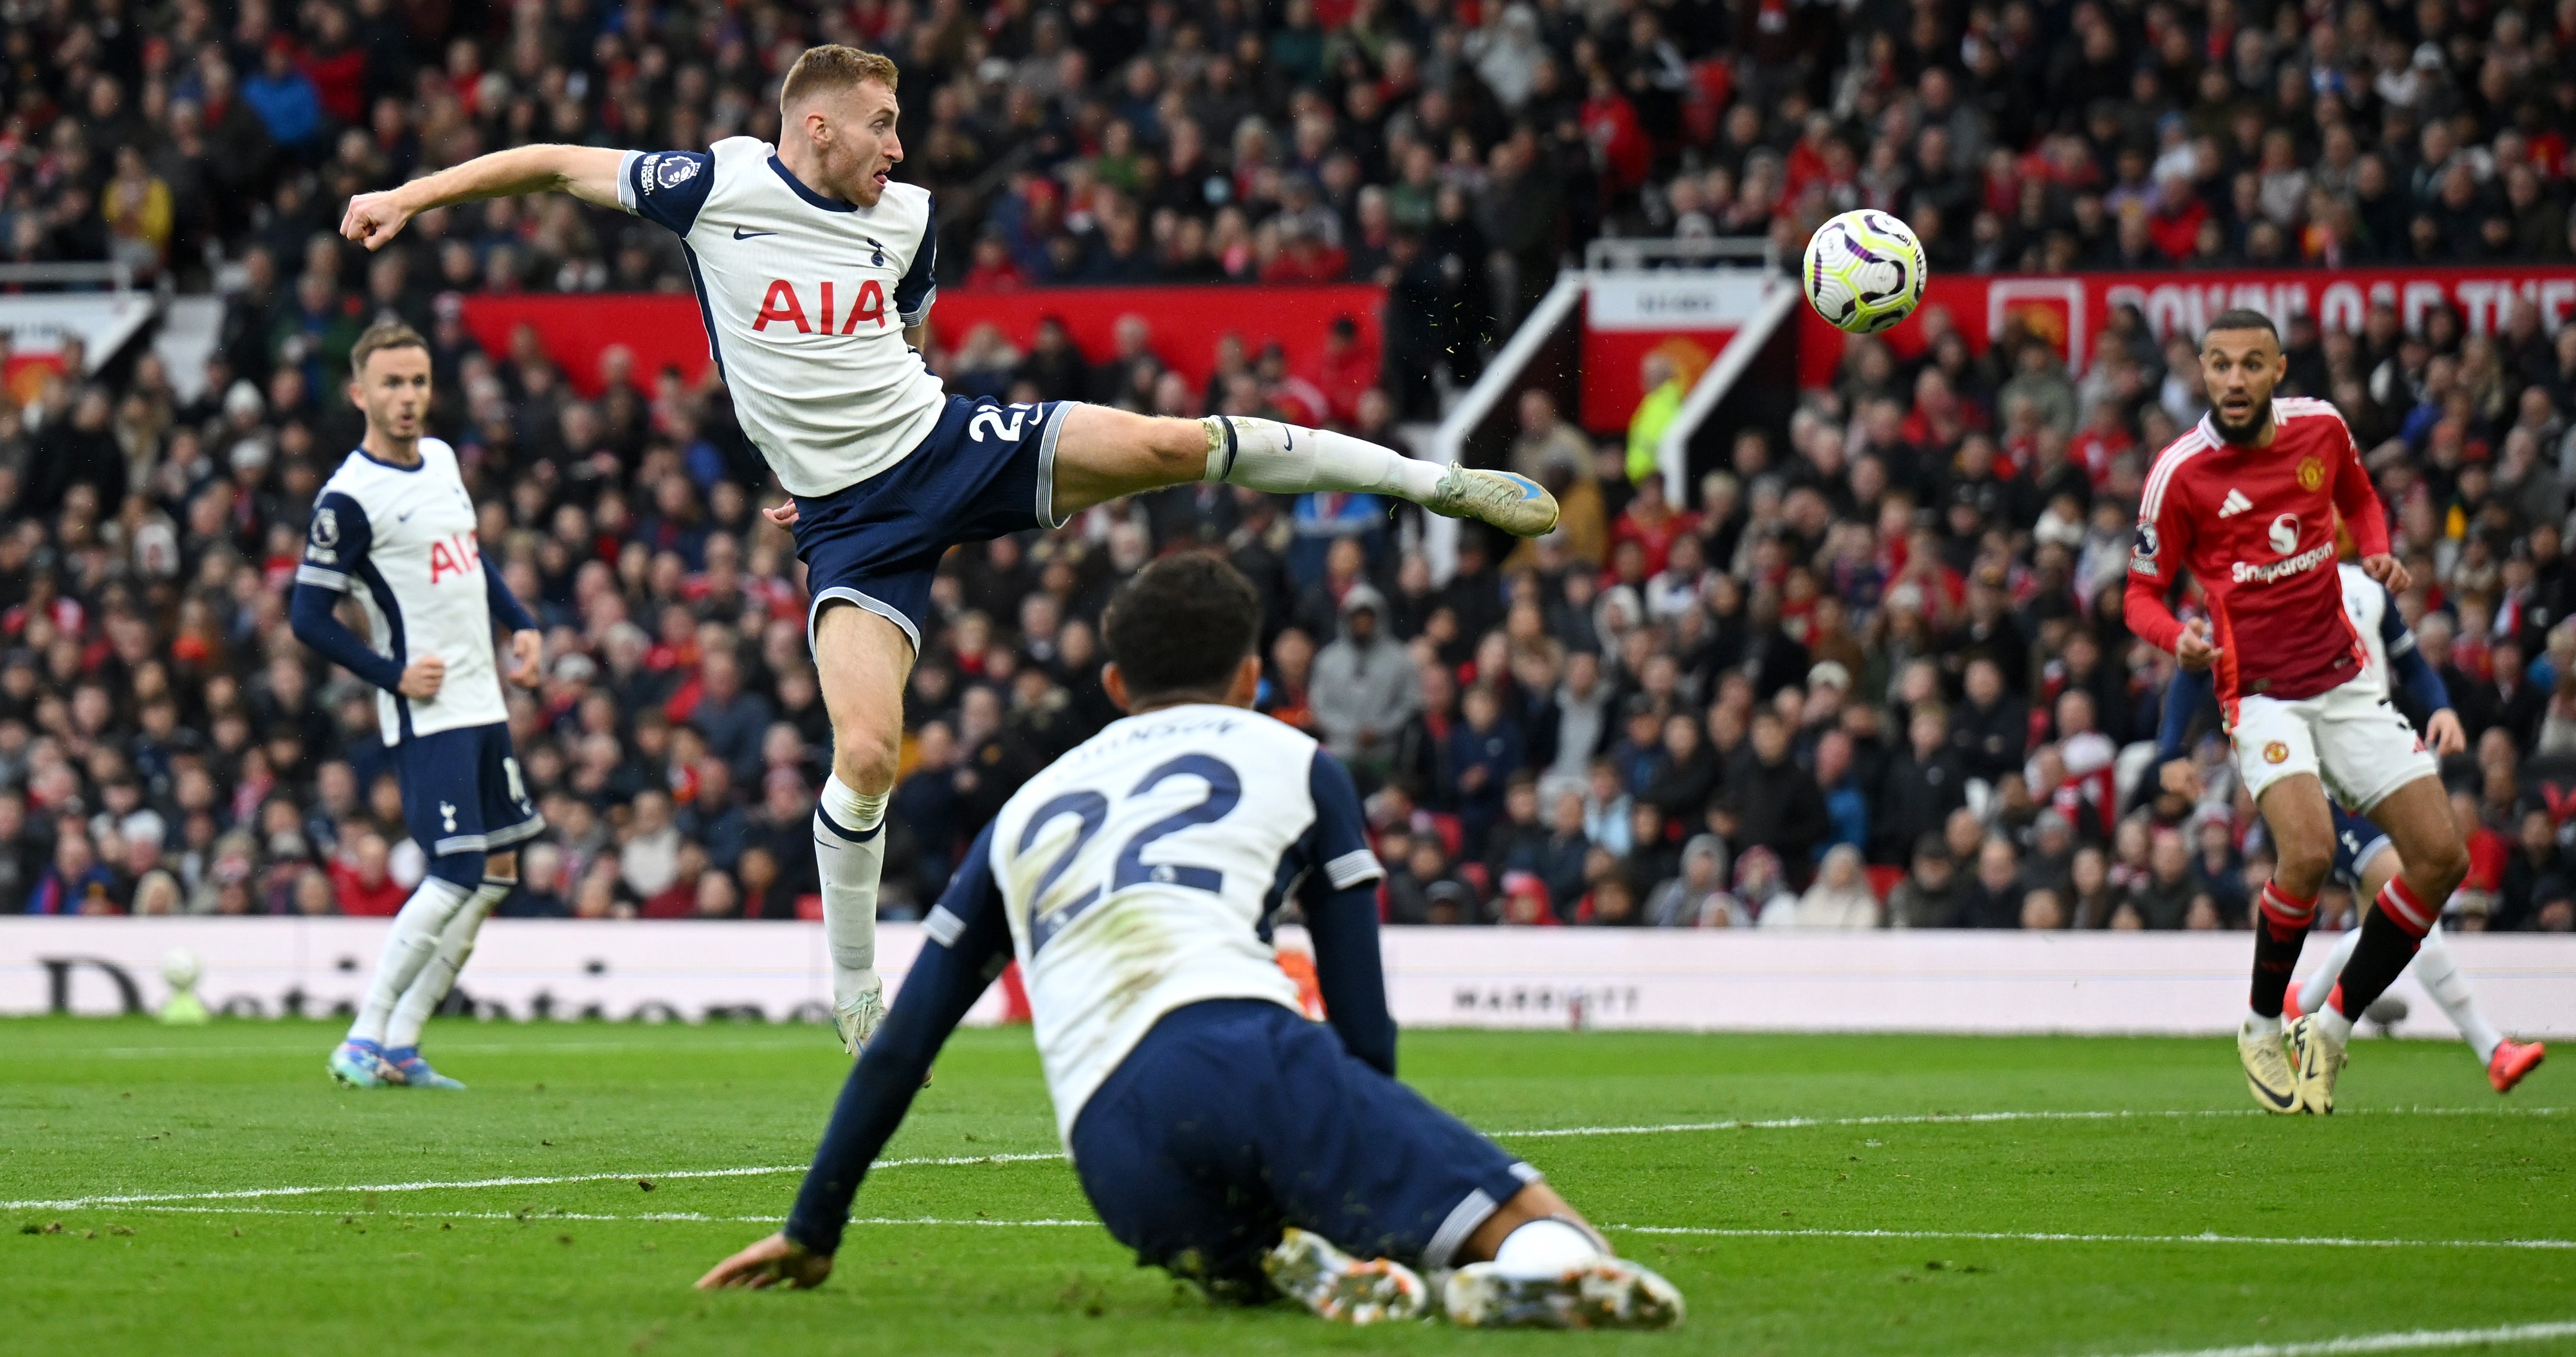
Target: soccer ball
[1864,271]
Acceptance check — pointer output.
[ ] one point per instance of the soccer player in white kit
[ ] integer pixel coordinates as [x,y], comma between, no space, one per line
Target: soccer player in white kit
[1218,1132]
[813,271]
[394,529]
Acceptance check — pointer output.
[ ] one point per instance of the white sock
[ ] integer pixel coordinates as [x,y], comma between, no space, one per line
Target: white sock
[2256,1025]
[2320,983]
[1544,1248]
[408,948]
[849,852]
[1287,459]
[2335,1025]
[2439,974]
[455,944]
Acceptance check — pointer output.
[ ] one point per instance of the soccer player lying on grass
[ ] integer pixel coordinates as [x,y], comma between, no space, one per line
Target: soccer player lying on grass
[1217,1131]
[2365,861]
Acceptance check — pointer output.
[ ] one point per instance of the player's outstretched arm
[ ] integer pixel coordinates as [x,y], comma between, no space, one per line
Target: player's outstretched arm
[586,172]
[968,942]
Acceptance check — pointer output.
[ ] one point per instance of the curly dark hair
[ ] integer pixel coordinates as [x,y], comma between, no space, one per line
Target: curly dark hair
[1182,625]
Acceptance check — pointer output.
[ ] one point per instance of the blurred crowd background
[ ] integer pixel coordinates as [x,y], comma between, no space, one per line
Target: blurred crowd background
[1872,672]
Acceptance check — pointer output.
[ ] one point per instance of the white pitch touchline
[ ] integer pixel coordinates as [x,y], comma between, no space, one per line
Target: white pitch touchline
[2314,1242]
[2411,1340]
[1782,1123]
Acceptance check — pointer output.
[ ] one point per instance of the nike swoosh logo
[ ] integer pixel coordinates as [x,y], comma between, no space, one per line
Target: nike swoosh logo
[2283,1101]
[405,515]
[741,234]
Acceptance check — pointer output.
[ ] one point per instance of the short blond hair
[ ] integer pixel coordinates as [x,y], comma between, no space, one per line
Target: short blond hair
[831,68]
[384,334]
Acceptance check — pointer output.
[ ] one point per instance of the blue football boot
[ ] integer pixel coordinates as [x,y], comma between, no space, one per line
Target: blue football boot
[413,1067]
[362,1064]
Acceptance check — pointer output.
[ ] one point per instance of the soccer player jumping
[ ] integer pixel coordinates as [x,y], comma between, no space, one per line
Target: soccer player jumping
[2246,502]
[813,271]
[1218,1132]
[394,528]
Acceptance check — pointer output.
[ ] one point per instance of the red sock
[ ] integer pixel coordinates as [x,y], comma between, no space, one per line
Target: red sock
[2283,928]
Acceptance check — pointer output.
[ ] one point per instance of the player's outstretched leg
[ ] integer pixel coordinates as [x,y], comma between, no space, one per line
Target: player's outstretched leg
[1552,1272]
[1289,460]
[1102,453]
[862,661]
[421,998]
[360,1060]
[1335,1286]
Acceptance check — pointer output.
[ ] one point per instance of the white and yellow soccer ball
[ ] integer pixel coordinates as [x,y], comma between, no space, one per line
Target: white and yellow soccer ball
[1864,271]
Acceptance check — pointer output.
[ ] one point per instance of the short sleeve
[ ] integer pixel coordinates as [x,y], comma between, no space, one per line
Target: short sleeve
[2162,528]
[920,284]
[335,542]
[666,187]
[1337,843]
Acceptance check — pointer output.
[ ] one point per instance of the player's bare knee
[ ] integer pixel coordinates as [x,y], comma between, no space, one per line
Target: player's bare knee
[867,759]
[2301,866]
[1179,448]
[501,866]
[2442,866]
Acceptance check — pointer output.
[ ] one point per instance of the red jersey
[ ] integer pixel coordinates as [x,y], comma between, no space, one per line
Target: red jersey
[2256,527]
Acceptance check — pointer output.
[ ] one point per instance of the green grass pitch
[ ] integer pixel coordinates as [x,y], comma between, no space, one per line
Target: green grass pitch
[1885,1218]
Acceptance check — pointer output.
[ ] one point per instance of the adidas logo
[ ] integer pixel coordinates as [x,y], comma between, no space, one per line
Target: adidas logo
[2235,503]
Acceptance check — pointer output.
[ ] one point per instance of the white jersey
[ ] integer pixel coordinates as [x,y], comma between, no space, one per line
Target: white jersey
[805,301]
[2374,615]
[402,540]
[1139,873]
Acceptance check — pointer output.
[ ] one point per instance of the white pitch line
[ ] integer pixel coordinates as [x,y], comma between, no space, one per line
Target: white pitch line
[538,1217]
[2290,1241]
[1540,1133]
[1975,1118]
[461,1184]
[2410,1340]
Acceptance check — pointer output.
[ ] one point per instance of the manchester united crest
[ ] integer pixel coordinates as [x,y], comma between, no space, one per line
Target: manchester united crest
[2312,473]
[2276,752]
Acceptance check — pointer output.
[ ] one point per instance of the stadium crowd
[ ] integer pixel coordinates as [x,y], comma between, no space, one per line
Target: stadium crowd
[1873,673]
[1456,149]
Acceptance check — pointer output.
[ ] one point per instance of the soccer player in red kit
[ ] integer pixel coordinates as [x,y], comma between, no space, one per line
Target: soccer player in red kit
[2246,503]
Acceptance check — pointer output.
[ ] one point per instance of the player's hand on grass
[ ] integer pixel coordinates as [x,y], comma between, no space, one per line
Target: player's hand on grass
[374,218]
[765,1264]
[2193,648]
[422,677]
[2444,734]
[2387,570]
[2180,778]
[527,655]
[784,515]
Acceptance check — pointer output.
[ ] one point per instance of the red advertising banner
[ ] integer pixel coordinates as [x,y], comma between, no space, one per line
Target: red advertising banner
[2071,310]
[663,330]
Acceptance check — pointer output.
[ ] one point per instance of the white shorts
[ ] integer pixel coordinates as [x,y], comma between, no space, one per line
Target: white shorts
[2351,736]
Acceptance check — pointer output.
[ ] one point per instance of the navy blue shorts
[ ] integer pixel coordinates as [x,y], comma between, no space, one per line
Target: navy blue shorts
[1236,1117]
[2357,841]
[462,792]
[987,470]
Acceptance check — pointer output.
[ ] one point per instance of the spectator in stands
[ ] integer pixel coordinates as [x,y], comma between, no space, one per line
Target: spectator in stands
[1839,898]
[1365,687]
